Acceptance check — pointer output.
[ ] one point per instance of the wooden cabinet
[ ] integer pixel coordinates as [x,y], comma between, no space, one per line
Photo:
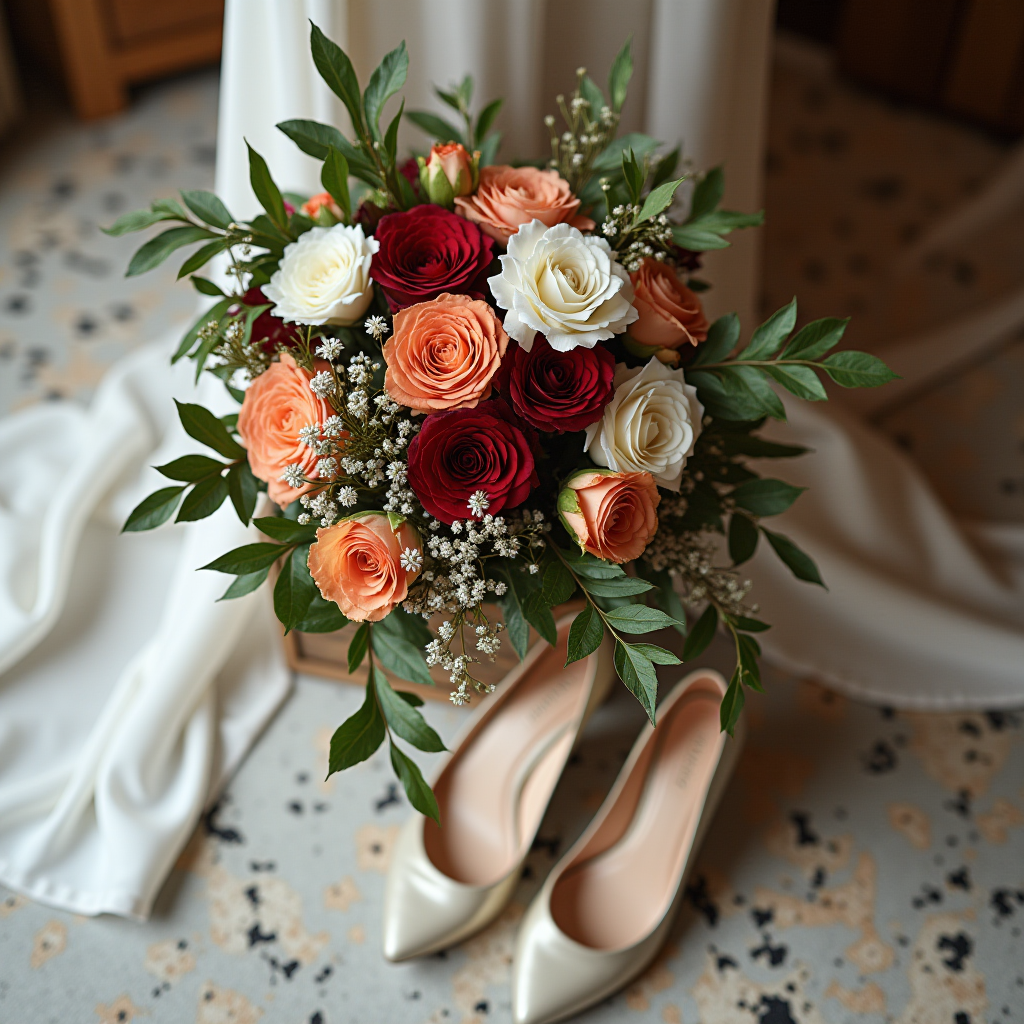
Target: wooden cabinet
[101,47]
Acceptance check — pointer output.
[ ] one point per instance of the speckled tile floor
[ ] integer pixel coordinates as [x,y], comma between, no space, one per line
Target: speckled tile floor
[867,866]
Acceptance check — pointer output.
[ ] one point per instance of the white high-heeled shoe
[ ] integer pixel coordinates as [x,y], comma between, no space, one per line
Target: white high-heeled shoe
[606,908]
[447,882]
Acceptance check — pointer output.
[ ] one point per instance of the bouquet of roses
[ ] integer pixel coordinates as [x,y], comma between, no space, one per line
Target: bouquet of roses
[466,385]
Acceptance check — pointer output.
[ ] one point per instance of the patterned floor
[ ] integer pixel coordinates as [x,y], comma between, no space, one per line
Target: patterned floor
[867,866]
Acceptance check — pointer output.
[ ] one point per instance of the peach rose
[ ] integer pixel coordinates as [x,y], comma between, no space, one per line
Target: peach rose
[364,566]
[611,515]
[444,353]
[670,314]
[277,405]
[321,201]
[510,196]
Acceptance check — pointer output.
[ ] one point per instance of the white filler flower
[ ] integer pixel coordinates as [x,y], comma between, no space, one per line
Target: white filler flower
[563,284]
[650,425]
[324,277]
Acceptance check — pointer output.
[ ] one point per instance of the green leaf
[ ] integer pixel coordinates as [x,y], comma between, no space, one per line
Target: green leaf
[489,149]
[246,559]
[436,127]
[750,651]
[697,239]
[732,704]
[485,121]
[322,617]
[658,200]
[750,625]
[266,190]
[201,257]
[336,70]
[214,313]
[801,381]
[816,338]
[637,672]
[722,222]
[665,168]
[624,586]
[620,74]
[758,448]
[137,220]
[770,336]
[208,208]
[244,584]
[857,370]
[409,627]
[702,634]
[610,158]
[416,789]
[707,194]
[156,250]
[585,634]
[358,646]
[638,618]
[766,497]
[742,539]
[334,177]
[722,337]
[666,596]
[761,396]
[169,208]
[401,657]
[316,139]
[593,568]
[205,287]
[410,698]
[736,393]
[191,468]
[243,489]
[591,92]
[153,510]
[403,719]
[391,137]
[288,531]
[201,424]
[357,737]
[633,175]
[203,500]
[388,77]
[294,589]
[800,564]
[516,626]
[559,584]
[538,614]
[658,655]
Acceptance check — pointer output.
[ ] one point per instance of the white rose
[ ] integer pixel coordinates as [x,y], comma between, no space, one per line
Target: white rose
[650,425]
[564,285]
[324,277]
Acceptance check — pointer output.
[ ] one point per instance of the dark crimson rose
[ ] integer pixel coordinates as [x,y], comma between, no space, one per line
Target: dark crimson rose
[460,452]
[558,392]
[269,329]
[426,251]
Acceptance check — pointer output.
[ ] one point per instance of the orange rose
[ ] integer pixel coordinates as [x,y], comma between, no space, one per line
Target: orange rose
[361,565]
[670,314]
[321,201]
[611,515]
[455,164]
[510,196]
[278,404]
[444,353]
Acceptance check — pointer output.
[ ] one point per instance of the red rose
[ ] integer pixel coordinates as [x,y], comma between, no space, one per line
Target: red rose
[463,451]
[269,329]
[558,391]
[426,251]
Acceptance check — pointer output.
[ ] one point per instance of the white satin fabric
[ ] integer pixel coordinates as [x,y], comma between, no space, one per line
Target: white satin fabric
[127,694]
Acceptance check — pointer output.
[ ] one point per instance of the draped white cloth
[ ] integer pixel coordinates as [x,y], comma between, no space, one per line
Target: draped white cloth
[127,694]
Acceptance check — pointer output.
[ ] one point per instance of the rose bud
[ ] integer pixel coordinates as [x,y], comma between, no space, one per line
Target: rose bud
[670,314]
[610,515]
[364,565]
[449,172]
[323,209]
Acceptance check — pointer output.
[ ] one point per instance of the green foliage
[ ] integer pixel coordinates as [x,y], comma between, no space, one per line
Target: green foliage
[153,510]
[208,208]
[191,468]
[385,81]
[156,250]
[620,74]
[416,789]
[585,634]
[207,495]
[742,538]
[201,424]
[243,489]
[358,646]
[400,655]
[322,617]
[266,190]
[247,559]
[359,736]
[402,718]
[702,634]
[766,497]
[294,589]
[245,584]
[732,704]
[636,670]
[334,178]
[770,336]
[800,564]
[857,370]
[659,199]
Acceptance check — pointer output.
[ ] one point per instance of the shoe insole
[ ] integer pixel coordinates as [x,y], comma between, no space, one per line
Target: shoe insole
[617,897]
[495,790]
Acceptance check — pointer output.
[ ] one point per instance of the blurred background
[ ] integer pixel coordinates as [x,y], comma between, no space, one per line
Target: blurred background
[885,882]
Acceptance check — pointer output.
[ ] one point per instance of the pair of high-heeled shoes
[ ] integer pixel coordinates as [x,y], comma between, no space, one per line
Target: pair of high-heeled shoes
[606,908]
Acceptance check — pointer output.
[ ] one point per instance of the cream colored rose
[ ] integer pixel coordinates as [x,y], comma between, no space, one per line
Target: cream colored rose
[563,284]
[324,277]
[650,425]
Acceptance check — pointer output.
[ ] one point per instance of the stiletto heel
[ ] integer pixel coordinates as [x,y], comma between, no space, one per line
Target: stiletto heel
[447,882]
[606,908]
